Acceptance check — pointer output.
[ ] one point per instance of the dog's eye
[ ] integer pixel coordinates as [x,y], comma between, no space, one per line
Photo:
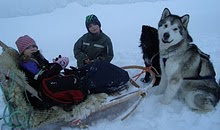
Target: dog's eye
[165,25]
[175,29]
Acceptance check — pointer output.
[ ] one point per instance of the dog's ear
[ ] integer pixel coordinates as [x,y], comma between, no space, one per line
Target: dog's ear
[166,12]
[185,20]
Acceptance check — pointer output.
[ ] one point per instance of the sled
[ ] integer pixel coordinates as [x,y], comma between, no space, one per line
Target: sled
[19,114]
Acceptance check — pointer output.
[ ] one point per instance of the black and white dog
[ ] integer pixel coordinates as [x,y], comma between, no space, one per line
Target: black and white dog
[186,71]
[150,48]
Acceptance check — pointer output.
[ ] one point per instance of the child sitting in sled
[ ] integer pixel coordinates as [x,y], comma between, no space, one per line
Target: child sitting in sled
[68,88]
[39,72]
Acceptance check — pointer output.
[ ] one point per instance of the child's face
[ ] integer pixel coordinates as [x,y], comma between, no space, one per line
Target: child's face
[31,49]
[93,28]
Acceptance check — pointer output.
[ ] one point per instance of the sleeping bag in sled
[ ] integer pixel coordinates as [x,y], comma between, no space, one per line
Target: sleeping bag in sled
[63,90]
[98,77]
[104,77]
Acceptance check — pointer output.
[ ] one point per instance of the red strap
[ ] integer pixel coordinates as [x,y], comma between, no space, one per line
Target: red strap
[143,71]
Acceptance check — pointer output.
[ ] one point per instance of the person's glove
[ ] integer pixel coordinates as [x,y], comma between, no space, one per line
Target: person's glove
[63,61]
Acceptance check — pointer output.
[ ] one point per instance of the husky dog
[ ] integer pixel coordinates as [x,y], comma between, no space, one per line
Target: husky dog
[186,71]
[150,49]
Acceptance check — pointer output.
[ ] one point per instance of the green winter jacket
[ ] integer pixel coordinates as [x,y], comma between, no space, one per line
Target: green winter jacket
[93,47]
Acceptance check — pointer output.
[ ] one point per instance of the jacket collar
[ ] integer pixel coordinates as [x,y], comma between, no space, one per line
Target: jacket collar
[94,37]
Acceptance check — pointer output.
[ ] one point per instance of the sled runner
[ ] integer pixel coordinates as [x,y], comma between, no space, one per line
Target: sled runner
[18,113]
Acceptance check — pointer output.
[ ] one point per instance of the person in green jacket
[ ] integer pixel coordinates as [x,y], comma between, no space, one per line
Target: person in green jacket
[94,45]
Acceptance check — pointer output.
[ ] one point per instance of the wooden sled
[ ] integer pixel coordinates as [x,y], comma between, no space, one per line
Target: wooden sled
[19,114]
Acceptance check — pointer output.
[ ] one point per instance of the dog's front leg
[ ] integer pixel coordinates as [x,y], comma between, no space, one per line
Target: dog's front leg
[173,86]
[163,82]
[162,86]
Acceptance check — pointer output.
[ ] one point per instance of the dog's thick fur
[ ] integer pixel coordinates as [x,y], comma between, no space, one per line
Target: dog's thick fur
[186,71]
[150,49]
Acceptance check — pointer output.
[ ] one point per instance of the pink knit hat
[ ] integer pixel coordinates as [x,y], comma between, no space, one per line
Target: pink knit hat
[24,42]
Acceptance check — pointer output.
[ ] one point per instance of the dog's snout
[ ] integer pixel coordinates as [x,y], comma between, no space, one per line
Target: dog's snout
[166,35]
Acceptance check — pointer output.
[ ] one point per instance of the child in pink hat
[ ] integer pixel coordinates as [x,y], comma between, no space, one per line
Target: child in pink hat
[27,47]
[34,64]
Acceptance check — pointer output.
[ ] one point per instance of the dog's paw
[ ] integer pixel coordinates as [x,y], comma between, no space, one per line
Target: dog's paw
[205,102]
[208,105]
[165,101]
[157,92]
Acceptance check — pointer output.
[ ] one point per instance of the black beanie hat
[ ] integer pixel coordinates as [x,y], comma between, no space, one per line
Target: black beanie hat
[92,19]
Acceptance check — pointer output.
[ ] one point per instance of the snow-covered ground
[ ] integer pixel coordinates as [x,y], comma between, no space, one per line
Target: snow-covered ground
[57,24]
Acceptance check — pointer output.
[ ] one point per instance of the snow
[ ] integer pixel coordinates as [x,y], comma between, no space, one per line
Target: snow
[57,24]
